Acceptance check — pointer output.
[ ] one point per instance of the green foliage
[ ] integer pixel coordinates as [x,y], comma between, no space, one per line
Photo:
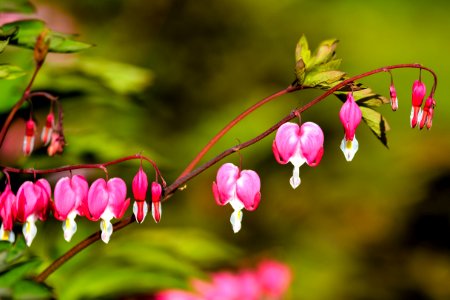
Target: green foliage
[15,270]
[141,260]
[321,71]
[17,6]
[8,71]
[29,30]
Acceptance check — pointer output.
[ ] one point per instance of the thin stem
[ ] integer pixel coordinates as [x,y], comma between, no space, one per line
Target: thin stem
[233,122]
[78,247]
[18,105]
[182,179]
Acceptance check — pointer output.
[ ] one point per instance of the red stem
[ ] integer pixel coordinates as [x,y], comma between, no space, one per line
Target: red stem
[182,179]
[18,105]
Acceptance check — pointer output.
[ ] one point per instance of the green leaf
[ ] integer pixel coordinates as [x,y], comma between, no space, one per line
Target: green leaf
[17,6]
[8,71]
[325,52]
[6,35]
[302,51]
[17,272]
[322,79]
[376,122]
[363,95]
[26,289]
[29,30]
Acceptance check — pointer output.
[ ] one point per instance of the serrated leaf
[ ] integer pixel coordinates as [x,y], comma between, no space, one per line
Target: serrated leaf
[323,79]
[29,30]
[17,6]
[376,122]
[8,71]
[302,51]
[26,289]
[17,272]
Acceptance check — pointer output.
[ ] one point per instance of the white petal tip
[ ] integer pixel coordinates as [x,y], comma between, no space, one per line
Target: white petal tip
[295,182]
[29,230]
[107,230]
[69,227]
[349,148]
[236,220]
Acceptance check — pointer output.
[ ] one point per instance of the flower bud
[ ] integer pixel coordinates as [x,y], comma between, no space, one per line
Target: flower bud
[156,201]
[418,93]
[139,186]
[48,129]
[393,95]
[28,140]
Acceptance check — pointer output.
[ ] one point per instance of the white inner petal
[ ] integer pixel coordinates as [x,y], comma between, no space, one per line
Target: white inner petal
[7,235]
[349,148]
[107,230]
[236,219]
[29,230]
[69,227]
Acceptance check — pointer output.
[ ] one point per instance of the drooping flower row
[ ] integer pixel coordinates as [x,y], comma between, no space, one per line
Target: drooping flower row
[72,196]
[270,280]
[299,144]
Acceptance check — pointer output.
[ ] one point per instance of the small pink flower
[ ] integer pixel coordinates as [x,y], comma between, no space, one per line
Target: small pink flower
[156,201]
[393,95]
[418,93]
[239,188]
[28,140]
[298,145]
[7,200]
[70,196]
[107,200]
[427,114]
[274,278]
[139,186]
[48,129]
[31,204]
[350,115]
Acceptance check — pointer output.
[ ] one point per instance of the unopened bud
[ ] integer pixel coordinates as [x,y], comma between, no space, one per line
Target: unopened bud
[41,47]
[28,140]
[48,129]
[156,201]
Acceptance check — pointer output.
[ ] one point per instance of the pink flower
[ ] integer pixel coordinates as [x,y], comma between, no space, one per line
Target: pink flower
[274,278]
[298,145]
[28,140]
[427,114]
[393,95]
[139,186]
[32,204]
[418,93]
[7,200]
[70,196]
[57,144]
[106,200]
[156,201]
[350,115]
[239,188]
[48,129]
[177,295]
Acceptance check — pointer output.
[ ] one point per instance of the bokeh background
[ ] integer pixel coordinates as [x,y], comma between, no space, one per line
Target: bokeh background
[166,75]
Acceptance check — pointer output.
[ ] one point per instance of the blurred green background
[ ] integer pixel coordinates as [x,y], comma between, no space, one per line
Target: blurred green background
[166,75]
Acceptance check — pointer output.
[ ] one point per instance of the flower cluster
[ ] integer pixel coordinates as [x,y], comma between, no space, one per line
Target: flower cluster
[72,196]
[299,144]
[270,280]
[418,115]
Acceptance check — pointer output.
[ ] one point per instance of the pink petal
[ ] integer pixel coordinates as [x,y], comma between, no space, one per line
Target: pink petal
[80,187]
[418,93]
[226,182]
[176,295]
[286,141]
[350,115]
[156,192]
[64,198]
[140,185]
[26,201]
[97,200]
[248,189]
[311,143]
[44,198]
[117,190]
[274,278]
[7,200]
